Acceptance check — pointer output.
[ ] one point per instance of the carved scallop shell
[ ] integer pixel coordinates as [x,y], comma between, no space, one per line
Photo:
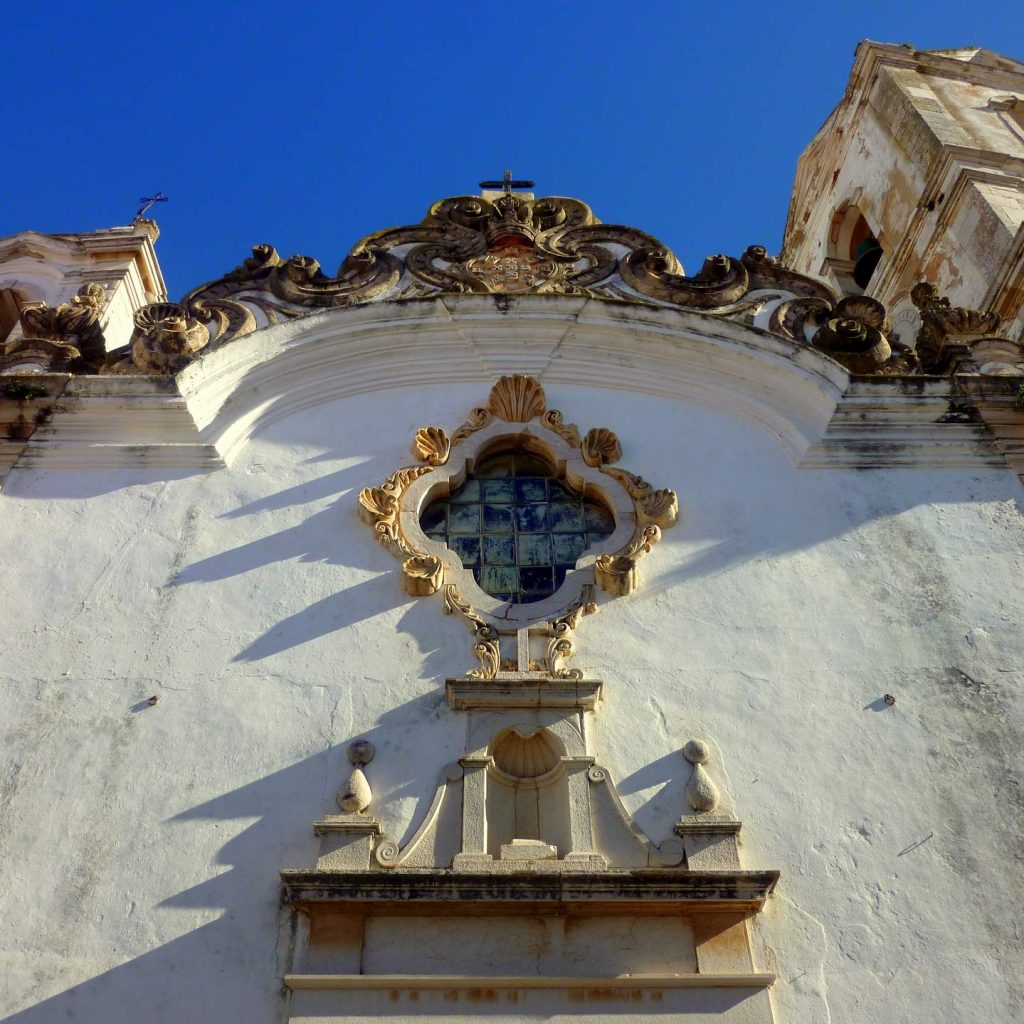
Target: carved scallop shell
[376,504]
[431,444]
[516,399]
[526,757]
[601,447]
[422,575]
[660,507]
[617,574]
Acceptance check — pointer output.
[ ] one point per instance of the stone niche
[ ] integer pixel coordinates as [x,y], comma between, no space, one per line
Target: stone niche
[527,890]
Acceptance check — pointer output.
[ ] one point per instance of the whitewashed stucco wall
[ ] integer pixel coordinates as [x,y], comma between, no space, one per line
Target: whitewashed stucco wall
[140,846]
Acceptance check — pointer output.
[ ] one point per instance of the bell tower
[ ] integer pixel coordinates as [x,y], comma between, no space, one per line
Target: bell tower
[916,176]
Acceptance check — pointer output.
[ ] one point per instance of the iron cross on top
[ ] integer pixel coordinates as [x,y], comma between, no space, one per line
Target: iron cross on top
[506,184]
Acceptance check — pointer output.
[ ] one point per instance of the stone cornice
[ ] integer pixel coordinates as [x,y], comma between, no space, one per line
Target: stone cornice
[202,419]
[658,890]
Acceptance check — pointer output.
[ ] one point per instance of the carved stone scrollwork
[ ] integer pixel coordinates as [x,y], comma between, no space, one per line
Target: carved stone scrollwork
[486,647]
[60,339]
[517,399]
[946,330]
[853,334]
[378,506]
[656,272]
[560,648]
[853,331]
[476,420]
[166,338]
[618,573]
[765,272]
[514,245]
[568,432]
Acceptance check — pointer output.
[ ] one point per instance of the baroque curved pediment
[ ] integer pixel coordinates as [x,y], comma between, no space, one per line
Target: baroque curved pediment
[506,246]
[509,246]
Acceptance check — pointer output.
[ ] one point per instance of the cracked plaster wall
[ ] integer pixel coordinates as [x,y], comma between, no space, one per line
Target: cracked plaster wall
[140,845]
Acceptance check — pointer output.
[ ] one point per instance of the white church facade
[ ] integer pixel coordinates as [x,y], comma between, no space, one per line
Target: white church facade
[512,626]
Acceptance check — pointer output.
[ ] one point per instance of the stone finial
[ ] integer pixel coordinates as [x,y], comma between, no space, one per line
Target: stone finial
[701,792]
[59,339]
[947,330]
[355,796]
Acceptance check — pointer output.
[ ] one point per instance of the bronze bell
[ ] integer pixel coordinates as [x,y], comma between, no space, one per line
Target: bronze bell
[867,255]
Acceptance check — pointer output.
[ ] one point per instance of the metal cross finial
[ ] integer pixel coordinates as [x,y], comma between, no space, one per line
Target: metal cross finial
[148,201]
[506,184]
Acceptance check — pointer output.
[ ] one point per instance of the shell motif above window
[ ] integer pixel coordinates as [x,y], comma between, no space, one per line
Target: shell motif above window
[517,517]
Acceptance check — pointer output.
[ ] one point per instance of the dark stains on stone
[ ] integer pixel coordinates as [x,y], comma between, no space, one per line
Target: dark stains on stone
[23,391]
[960,411]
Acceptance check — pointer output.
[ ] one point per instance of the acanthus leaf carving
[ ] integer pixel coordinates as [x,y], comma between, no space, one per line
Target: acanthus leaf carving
[476,420]
[379,506]
[560,648]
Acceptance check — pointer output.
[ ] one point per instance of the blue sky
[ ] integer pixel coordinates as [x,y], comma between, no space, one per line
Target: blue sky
[310,125]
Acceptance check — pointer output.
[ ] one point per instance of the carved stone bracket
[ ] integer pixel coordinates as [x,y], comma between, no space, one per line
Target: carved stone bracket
[641,512]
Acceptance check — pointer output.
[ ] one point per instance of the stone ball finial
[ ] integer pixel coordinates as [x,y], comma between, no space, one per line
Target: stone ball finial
[360,752]
[697,752]
[701,792]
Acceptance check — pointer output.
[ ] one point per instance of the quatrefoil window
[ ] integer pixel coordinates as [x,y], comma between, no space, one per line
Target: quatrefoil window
[517,516]
[517,526]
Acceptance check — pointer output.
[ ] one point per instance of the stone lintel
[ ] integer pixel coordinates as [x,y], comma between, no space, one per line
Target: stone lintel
[640,891]
[346,824]
[475,981]
[707,824]
[470,694]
